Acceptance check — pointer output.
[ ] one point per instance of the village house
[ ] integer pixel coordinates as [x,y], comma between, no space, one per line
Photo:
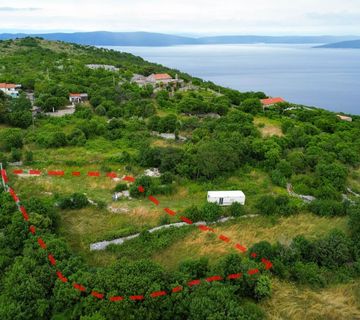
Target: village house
[271,101]
[10,89]
[226,198]
[344,118]
[156,79]
[75,98]
[102,66]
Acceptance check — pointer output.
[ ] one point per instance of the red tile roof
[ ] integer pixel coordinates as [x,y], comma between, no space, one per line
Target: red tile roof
[162,76]
[271,101]
[7,85]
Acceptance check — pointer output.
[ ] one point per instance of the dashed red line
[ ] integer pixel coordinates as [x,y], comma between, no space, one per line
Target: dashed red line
[97,294]
[41,243]
[214,278]
[205,228]
[224,238]
[186,220]
[24,213]
[111,175]
[32,229]
[234,276]
[170,212]
[158,294]
[240,247]
[52,259]
[177,289]
[116,298]
[37,172]
[253,271]
[94,174]
[154,200]
[79,287]
[268,265]
[194,283]
[61,277]
[76,173]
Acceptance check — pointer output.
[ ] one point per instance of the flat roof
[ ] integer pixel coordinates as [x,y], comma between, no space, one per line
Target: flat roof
[224,194]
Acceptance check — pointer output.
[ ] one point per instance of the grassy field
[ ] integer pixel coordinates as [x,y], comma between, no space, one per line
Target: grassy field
[297,303]
[247,231]
[268,127]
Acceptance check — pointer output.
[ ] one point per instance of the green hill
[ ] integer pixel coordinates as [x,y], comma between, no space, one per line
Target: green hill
[264,261]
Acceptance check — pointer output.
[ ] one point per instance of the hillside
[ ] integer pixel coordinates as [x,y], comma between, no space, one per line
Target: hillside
[353,44]
[148,39]
[136,153]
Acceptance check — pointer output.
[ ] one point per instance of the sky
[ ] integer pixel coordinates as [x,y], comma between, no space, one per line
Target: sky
[186,17]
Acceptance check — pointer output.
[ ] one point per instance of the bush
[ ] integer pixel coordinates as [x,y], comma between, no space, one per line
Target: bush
[263,287]
[308,273]
[29,157]
[15,155]
[266,205]
[211,211]
[327,207]
[120,187]
[75,201]
[236,209]
[11,138]
[195,268]
[167,178]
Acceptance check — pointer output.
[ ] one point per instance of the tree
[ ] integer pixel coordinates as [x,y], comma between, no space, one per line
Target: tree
[211,211]
[267,205]
[251,105]
[236,209]
[195,268]
[331,173]
[11,138]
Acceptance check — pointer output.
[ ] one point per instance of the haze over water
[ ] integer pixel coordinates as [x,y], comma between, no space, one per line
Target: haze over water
[325,78]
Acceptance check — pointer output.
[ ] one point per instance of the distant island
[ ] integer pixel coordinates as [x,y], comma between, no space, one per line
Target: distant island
[147,39]
[353,44]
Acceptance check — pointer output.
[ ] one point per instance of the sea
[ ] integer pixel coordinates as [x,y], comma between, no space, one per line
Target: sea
[325,78]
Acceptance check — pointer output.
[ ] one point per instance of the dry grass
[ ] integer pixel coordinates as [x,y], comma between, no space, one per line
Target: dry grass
[162,143]
[293,302]
[268,127]
[247,232]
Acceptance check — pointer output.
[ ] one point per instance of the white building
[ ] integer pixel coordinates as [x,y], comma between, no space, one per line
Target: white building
[344,118]
[10,89]
[156,79]
[102,66]
[226,198]
[75,98]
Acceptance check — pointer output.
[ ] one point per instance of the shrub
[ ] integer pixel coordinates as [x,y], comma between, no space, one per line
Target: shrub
[235,209]
[75,201]
[266,205]
[263,287]
[15,154]
[166,178]
[11,138]
[120,187]
[211,211]
[193,213]
[29,157]
[308,273]
[195,268]
[326,207]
